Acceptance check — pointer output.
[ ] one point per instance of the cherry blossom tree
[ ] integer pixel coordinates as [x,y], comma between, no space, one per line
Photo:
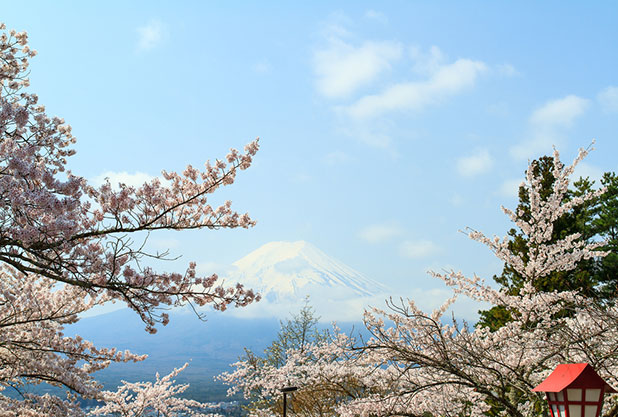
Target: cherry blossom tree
[295,354]
[420,364]
[65,246]
[326,371]
[143,399]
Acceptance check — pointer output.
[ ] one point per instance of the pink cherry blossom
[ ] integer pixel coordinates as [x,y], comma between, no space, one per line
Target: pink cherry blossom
[65,247]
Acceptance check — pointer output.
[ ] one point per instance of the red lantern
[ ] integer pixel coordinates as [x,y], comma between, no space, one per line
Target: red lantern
[574,390]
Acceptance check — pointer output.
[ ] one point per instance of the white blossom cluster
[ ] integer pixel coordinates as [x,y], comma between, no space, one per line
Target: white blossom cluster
[147,398]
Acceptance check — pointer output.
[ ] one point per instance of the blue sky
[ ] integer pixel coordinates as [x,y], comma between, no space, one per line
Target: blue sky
[385,127]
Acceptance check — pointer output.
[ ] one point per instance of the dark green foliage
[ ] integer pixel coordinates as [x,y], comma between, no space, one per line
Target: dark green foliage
[595,220]
[605,225]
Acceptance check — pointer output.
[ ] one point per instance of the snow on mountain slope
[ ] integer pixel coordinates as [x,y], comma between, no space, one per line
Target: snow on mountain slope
[286,272]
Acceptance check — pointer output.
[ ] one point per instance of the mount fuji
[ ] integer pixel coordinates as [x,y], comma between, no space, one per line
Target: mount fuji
[285,273]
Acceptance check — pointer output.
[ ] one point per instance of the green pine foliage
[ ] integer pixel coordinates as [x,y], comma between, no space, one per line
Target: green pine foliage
[605,224]
[597,220]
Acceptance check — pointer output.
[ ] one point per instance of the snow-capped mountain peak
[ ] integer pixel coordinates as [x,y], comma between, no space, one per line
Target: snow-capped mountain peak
[295,269]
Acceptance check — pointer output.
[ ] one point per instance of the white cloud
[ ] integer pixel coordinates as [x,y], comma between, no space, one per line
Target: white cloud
[427,63]
[336,158]
[510,188]
[456,200]
[335,28]
[135,180]
[427,299]
[560,112]
[262,67]
[539,143]
[150,35]
[500,108]
[584,169]
[342,68]
[418,249]
[475,164]
[548,124]
[507,70]
[209,268]
[300,178]
[446,81]
[375,15]
[378,233]
[368,134]
[326,309]
[608,98]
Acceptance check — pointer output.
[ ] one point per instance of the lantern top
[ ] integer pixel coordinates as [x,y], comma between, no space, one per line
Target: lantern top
[576,375]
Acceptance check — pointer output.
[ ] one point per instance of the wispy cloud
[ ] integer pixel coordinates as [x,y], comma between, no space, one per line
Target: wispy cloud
[375,15]
[510,188]
[262,67]
[341,68]
[379,233]
[548,124]
[336,158]
[586,170]
[475,164]
[507,70]
[300,178]
[134,180]
[150,35]
[327,310]
[344,68]
[559,113]
[369,134]
[500,109]
[456,200]
[448,80]
[427,63]
[608,99]
[208,268]
[418,249]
